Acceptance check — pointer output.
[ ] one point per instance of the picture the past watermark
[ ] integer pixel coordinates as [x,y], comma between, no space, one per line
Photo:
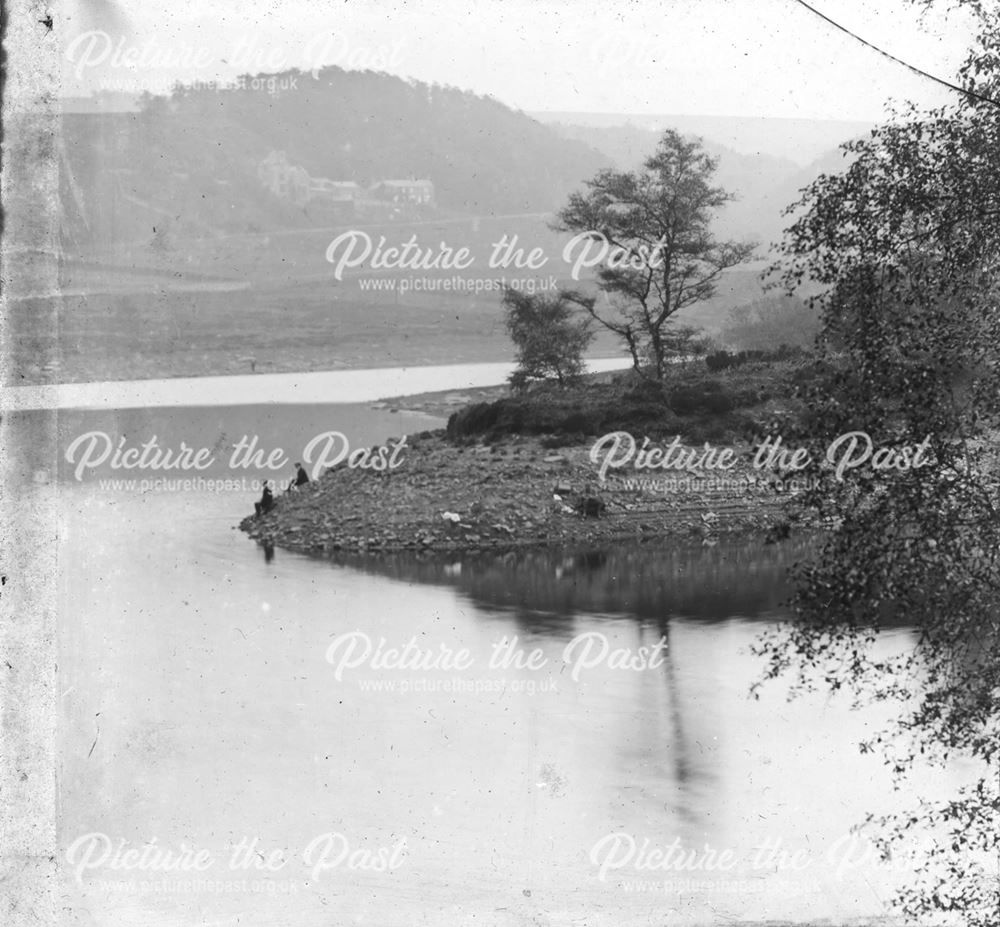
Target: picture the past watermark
[246,865]
[99,452]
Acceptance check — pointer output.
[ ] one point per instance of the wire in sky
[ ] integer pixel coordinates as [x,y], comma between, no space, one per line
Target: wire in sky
[916,70]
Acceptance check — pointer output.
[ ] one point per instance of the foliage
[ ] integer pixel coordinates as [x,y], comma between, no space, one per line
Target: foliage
[905,243]
[720,360]
[775,320]
[729,407]
[657,219]
[549,335]
[682,342]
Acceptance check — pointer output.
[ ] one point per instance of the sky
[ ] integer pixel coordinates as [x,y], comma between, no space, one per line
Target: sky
[701,57]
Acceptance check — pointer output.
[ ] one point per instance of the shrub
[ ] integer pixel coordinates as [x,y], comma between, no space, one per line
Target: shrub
[717,403]
[577,422]
[638,416]
[721,360]
[549,334]
[718,360]
[645,391]
[685,400]
[472,420]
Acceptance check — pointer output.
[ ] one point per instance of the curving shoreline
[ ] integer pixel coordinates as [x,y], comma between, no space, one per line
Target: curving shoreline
[503,496]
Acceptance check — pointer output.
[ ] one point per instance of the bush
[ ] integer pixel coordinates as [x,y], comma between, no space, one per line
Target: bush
[641,416]
[722,360]
[550,335]
[718,360]
[717,403]
[580,422]
[750,396]
[474,419]
[495,420]
[685,400]
[645,391]
[694,400]
[711,398]
[745,426]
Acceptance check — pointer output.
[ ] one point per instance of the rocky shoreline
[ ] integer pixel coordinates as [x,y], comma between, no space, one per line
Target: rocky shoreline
[515,493]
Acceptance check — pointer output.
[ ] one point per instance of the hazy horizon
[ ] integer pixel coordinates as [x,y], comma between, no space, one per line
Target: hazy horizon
[800,139]
[680,57]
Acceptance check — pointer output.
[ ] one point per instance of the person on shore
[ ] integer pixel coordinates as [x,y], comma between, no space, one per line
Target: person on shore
[300,479]
[266,500]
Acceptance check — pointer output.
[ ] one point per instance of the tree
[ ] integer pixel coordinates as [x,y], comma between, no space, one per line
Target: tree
[549,335]
[906,245]
[661,257]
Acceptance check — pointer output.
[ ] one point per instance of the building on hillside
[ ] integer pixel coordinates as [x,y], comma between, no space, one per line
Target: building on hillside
[414,192]
[285,180]
[336,191]
[292,183]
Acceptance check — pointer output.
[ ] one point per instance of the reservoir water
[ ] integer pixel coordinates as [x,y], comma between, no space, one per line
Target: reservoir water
[253,737]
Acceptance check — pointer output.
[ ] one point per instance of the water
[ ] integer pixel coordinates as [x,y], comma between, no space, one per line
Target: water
[200,707]
[340,386]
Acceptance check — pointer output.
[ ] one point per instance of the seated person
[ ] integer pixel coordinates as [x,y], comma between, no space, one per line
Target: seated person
[266,500]
[301,478]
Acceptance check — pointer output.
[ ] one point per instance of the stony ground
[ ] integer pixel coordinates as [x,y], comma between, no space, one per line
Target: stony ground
[447,497]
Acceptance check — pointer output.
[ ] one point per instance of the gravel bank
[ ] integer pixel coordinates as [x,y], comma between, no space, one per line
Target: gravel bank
[448,497]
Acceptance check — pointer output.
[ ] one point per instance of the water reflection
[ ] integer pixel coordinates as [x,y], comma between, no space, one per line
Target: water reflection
[545,594]
[650,581]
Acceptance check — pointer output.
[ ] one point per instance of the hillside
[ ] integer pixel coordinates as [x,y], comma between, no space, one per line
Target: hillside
[178,259]
[192,161]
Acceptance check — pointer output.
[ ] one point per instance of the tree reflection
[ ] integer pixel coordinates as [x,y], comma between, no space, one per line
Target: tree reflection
[642,592]
[653,581]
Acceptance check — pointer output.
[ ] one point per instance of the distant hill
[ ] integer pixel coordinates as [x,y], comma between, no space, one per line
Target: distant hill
[191,161]
[185,167]
[800,140]
[763,184]
[177,258]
